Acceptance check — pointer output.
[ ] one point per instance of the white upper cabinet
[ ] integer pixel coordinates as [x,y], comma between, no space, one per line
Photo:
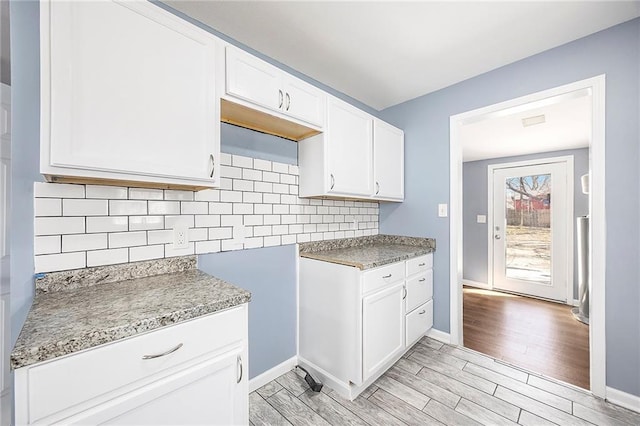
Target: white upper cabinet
[388,161]
[128,94]
[253,80]
[357,156]
[349,150]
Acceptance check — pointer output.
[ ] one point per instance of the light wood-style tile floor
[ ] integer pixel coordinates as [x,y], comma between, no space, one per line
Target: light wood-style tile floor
[436,384]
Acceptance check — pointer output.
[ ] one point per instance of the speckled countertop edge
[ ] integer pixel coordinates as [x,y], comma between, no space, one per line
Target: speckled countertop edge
[63,322]
[368,252]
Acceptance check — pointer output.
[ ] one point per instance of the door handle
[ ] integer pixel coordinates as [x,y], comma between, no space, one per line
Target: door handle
[497,237]
[288,101]
[281,98]
[405,293]
[239,362]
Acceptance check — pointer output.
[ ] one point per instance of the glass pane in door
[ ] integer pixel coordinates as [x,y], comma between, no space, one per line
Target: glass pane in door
[528,233]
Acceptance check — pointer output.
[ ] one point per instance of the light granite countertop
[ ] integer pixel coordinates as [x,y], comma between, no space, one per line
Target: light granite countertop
[116,303]
[368,252]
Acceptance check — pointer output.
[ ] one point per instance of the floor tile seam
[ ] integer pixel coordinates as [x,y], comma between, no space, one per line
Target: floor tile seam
[520,409]
[274,407]
[601,413]
[472,388]
[319,414]
[330,395]
[540,402]
[421,410]
[397,396]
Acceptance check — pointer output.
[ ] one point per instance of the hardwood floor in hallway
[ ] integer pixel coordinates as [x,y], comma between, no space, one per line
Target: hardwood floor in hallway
[530,333]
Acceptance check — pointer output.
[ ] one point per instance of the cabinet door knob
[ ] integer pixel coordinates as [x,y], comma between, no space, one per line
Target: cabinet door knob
[333,181]
[239,360]
[281,98]
[288,102]
[212,163]
[170,351]
[421,312]
[377,188]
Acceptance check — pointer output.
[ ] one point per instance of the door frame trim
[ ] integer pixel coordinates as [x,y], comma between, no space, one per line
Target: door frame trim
[568,160]
[597,226]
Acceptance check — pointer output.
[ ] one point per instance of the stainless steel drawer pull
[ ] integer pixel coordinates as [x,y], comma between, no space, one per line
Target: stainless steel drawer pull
[239,360]
[421,312]
[422,280]
[333,181]
[405,293]
[212,161]
[386,276]
[170,351]
[281,97]
[421,264]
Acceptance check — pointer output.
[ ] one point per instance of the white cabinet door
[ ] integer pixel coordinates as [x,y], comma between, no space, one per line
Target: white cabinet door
[349,145]
[253,80]
[127,90]
[213,392]
[382,328]
[388,161]
[303,101]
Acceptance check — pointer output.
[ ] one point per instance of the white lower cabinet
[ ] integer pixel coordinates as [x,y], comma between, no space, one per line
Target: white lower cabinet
[193,372]
[355,324]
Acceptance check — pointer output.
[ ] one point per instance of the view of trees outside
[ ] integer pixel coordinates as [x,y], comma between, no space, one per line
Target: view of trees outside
[528,233]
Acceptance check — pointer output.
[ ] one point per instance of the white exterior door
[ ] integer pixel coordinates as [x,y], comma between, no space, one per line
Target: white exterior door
[530,233]
[5,186]
[383,328]
[349,141]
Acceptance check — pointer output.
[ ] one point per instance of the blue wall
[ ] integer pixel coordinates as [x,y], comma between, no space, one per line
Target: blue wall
[270,275]
[475,202]
[425,120]
[25,151]
[240,141]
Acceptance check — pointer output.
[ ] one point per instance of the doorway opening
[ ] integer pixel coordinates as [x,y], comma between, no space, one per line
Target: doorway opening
[591,90]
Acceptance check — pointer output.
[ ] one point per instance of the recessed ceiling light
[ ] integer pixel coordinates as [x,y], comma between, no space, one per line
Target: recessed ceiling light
[532,121]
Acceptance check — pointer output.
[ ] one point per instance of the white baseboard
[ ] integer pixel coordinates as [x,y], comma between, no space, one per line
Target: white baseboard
[476,284]
[576,302]
[440,336]
[272,373]
[623,399]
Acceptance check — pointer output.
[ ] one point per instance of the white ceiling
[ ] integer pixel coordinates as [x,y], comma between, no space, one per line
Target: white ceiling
[567,126]
[386,52]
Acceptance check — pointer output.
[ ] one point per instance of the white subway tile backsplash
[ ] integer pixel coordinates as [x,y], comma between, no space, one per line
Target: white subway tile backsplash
[207,221]
[79,207]
[256,206]
[250,174]
[160,237]
[84,242]
[220,233]
[57,190]
[178,195]
[260,164]
[194,207]
[139,223]
[137,254]
[59,225]
[127,239]
[240,161]
[164,207]
[225,159]
[127,207]
[47,245]
[208,195]
[60,262]
[106,192]
[107,257]
[207,246]
[230,197]
[145,194]
[107,224]
[242,185]
[48,207]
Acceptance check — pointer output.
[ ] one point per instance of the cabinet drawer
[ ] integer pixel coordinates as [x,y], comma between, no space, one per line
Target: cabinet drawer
[380,277]
[419,322]
[419,289]
[78,378]
[419,264]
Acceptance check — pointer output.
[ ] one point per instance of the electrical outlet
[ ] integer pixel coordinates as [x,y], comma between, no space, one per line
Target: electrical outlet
[180,237]
[442,210]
